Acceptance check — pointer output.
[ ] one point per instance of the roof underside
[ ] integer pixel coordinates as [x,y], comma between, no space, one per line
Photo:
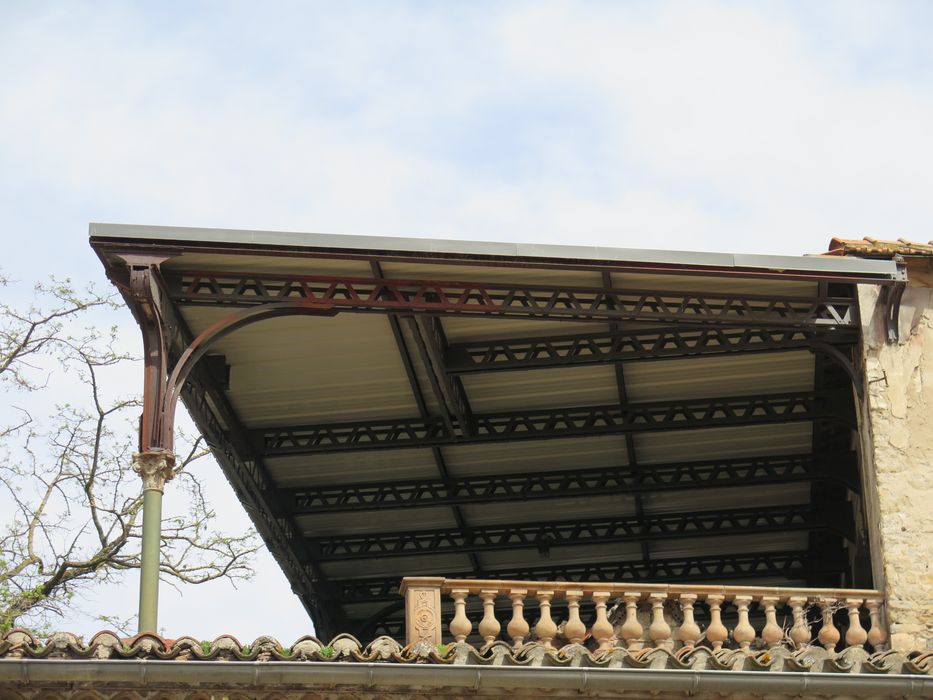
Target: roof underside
[694,434]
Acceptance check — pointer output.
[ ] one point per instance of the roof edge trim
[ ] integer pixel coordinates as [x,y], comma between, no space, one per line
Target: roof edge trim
[878,271]
[152,673]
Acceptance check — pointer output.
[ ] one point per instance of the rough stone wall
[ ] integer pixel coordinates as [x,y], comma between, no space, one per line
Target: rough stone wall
[896,429]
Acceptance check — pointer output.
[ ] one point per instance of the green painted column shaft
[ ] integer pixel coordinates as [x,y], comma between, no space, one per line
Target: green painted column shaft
[149,572]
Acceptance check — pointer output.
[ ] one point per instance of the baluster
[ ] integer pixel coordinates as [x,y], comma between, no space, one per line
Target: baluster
[771,633]
[460,626]
[877,635]
[689,629]
[602,628]
[800,632]
[632,630]
[659,631]
[743,633]
[518,628]
[489,626]
[574,630]
[829,635]
[716,633]
[545,629]
[856,635]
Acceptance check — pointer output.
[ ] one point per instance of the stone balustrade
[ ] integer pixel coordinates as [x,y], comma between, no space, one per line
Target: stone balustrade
[643,615]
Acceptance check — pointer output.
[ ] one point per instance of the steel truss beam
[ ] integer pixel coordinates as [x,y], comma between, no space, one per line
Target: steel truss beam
[648,344]
[495,488]
[501,299]
[543,536]
[790,565]
[556,422]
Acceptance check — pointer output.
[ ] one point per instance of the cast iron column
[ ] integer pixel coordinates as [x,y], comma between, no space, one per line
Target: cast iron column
[155,468]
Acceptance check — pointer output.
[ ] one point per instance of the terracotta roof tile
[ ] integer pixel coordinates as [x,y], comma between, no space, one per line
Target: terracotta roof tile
[876,248]
[21,644]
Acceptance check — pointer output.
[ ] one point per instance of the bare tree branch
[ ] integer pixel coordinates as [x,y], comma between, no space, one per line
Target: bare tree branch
[74,515]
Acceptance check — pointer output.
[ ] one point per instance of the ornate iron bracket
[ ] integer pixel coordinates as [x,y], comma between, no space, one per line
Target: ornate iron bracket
[891,301]
[162,388]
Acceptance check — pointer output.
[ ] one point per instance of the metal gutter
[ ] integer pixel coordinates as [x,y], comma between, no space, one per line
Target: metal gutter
[149,674]
[426,249]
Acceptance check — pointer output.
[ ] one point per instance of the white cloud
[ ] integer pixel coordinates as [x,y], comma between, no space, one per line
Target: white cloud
[708,124]
[729,103]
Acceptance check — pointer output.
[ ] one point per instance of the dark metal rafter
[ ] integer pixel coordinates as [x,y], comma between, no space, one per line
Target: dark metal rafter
[543,536]
[791,565]
[631,345]
[631,452]
[557,422]
[363,294]
[418,395]
[432,343]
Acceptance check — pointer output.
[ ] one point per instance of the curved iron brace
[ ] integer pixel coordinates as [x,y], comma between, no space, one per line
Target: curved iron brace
[208,338]
[843,361]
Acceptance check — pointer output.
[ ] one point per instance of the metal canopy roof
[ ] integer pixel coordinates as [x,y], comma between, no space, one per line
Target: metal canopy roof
[509,253]
[508,410]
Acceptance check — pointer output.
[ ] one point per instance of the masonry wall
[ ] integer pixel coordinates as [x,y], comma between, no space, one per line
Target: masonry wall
[896,417]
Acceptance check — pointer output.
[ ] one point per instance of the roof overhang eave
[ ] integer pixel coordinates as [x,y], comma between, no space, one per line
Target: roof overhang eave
[114,237]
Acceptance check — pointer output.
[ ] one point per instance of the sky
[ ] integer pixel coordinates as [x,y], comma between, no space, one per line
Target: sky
[752,127]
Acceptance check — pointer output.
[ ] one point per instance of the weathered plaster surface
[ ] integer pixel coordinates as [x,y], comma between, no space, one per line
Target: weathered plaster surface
[897,456]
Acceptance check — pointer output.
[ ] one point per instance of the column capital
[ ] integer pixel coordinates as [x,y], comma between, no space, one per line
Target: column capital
[154,468]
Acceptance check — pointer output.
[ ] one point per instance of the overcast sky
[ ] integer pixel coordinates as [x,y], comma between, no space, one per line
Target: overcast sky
[724,126]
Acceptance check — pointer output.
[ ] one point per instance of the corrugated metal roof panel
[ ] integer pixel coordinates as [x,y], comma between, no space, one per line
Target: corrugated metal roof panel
[726,498]
[715,285]
[271,264]
[303,369]
[710,377]
[396,567]
[535,455]
[461,329]
[531,512]
[591,385]
[713,443]
[392,520]
[576,554]
[352,467]
[622,505]
[746,544]
[491,273]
